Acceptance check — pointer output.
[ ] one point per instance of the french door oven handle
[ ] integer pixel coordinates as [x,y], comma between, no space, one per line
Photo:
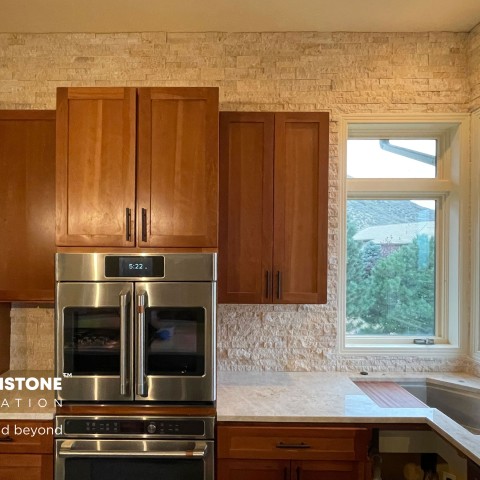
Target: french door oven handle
[124,383]
[68,448]
[141,380]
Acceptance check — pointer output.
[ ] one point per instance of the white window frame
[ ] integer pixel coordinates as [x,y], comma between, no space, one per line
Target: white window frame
[475,316]
[451,189]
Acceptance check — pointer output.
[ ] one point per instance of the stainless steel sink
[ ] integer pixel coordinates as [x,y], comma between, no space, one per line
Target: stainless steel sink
[461,405]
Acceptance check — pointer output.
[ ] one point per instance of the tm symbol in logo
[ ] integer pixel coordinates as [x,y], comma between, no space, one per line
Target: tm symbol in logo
[67,375]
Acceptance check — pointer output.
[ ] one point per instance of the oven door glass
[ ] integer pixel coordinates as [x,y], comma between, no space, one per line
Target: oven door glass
[92,340]
[132,468]
[175,341]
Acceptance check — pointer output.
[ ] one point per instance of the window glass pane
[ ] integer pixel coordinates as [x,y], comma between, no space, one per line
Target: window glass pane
[391,267]
[391,158]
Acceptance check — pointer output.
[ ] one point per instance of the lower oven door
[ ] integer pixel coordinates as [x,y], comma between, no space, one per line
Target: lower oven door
[133,459]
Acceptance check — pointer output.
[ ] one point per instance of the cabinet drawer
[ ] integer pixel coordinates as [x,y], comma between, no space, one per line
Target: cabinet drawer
[295,443]
[20,440]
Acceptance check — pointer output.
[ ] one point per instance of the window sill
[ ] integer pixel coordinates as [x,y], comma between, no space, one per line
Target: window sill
[438,349]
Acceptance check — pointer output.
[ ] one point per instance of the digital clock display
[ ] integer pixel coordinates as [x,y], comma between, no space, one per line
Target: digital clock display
[135,266]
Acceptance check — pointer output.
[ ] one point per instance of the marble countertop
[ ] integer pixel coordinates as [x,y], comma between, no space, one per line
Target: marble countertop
[288,397]
[27,404]
[334,398]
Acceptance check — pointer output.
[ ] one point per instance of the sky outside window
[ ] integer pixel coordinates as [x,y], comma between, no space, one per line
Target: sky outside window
[367,159]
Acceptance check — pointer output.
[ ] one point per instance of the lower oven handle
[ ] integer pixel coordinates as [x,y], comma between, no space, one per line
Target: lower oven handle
[200,451]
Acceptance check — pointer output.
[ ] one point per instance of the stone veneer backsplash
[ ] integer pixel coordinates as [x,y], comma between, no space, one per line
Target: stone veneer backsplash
[32,339]
[277,338]
[338,72]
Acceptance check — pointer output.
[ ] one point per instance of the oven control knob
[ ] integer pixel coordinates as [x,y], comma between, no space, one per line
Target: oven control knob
[151,428]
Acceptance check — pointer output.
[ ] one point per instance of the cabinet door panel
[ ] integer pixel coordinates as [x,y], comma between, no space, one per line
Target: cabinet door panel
[301,207]
[473,471]
[246,207]
[253,470]
[326,471]
[177,183]
[26,467]
[27,205]
[95,166]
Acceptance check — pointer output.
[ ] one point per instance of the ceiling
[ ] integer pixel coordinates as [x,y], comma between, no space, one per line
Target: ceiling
[238,15]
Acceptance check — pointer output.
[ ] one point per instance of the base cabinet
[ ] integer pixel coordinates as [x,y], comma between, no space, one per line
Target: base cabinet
[253,469]
[473,471]
[271,452]
[25,455]
[26,467]
[288,470]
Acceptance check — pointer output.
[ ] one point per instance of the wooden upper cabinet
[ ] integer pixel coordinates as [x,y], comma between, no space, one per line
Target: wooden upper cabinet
[177,170]
[95,166]
[137,173]
[27,205]
[301,207]
[246,207]
[273,207]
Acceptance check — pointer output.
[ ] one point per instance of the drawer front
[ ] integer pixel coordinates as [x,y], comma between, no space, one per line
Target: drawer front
[19,436]
[295,443]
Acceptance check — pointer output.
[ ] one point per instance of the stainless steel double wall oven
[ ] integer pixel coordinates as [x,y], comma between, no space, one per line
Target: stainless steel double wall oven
[136,327]
[135,330]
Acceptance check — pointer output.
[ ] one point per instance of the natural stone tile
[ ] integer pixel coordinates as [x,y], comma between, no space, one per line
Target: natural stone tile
[338,72]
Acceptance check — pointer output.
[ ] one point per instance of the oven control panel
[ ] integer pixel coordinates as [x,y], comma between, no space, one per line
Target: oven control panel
[131,427]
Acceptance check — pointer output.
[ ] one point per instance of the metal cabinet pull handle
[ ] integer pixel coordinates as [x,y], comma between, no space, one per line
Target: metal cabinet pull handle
[144,224]
[6,439]
[298,473]
[128,221]
[285,473]
[279,285]
[293,445]
[267,287]
[141,380]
